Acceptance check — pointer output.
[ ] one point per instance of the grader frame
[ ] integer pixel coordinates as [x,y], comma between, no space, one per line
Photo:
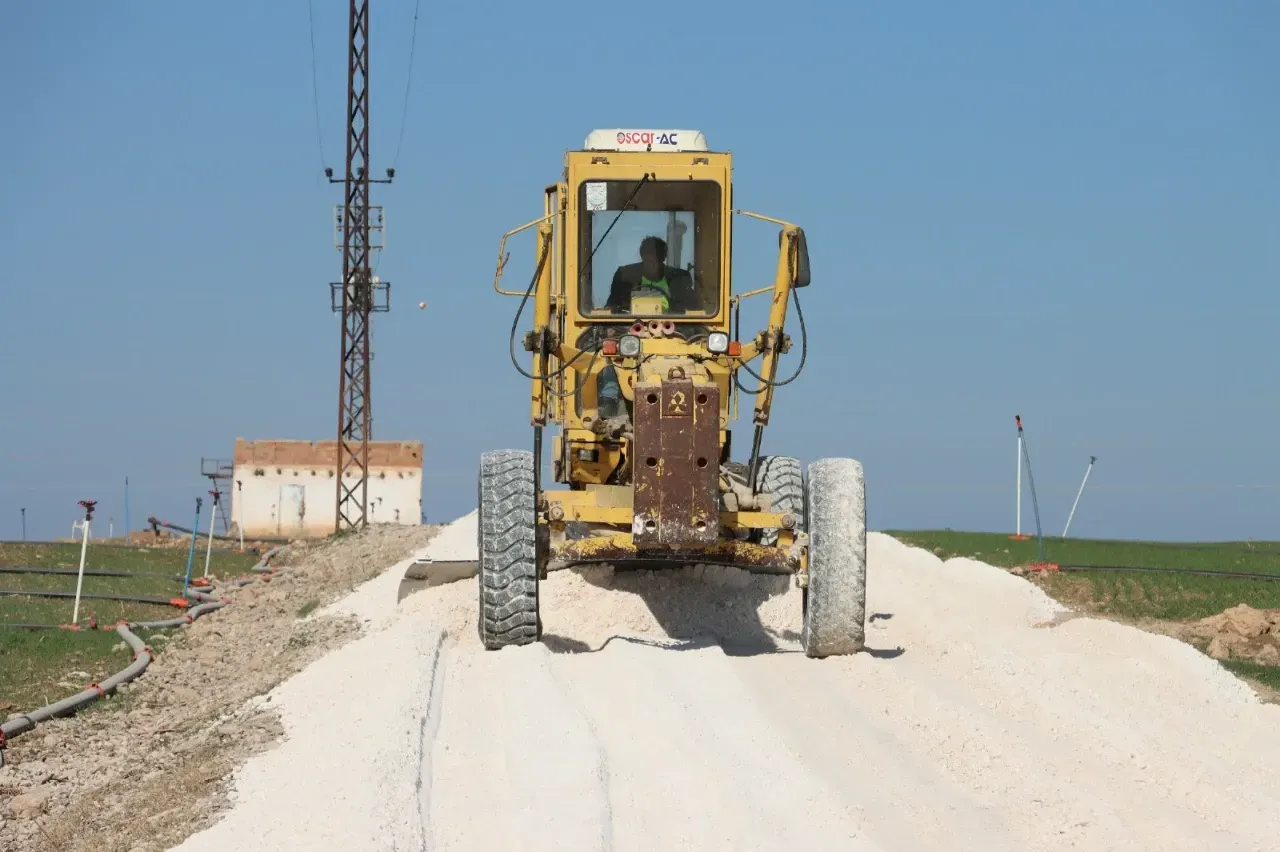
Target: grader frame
[651,480]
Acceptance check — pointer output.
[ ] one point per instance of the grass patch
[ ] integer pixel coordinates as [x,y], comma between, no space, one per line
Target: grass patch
[38,665]
[308,608]
[1168,596]
[1268,676]
[44,666]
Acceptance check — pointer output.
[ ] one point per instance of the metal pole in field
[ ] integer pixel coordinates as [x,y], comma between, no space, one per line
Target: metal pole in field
[191,554]
[240,512]
[24,523]
[128,539]
[84,548]
[1031,481]
[1018,525]
[213,513]
[1087,471]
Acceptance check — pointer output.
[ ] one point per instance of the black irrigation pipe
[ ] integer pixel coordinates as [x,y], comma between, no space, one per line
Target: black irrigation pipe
[32,593]
[142,656]
[156,522]
[1196,572]
[18,569]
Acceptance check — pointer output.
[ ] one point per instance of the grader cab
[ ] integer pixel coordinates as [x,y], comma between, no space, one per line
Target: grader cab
[637,359]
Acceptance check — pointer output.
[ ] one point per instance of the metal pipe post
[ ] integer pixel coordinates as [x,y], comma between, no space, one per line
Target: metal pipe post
[213,513]
[1018,487]
[1087,471]
[191,554]
[84,549]
[1031,481]
[128,538]
[240,512]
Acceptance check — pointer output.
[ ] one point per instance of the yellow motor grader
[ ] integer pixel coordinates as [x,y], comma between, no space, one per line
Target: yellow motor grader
[636,357]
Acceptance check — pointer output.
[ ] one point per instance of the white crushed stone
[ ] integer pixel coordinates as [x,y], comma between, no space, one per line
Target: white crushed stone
[374,601]
[345,776]
[649,718]
[456,542]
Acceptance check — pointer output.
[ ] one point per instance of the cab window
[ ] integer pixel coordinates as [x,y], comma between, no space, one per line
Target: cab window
[649,248]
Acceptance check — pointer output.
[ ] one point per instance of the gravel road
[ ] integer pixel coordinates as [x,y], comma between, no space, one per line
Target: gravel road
[673,711]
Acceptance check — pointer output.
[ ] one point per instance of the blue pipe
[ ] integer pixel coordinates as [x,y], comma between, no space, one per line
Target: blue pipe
[191,555]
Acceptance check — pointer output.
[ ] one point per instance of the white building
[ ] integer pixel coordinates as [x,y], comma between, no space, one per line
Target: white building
[289,488]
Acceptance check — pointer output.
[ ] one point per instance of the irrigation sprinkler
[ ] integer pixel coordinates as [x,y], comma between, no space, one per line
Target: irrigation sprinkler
[213,513]
[84,549]
[24,523]
[1076,502]
[240,513]
[1031,481]
[128,538]
[191,554]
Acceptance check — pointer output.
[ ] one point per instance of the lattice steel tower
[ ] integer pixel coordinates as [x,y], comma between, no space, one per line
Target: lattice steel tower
[359,294]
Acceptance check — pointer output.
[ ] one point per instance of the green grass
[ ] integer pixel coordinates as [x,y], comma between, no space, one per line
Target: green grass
[38,662]
[44,666]
[1167,596]
[1268,676]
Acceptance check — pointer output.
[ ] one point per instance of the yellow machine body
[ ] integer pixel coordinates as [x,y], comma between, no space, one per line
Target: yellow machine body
[635,361]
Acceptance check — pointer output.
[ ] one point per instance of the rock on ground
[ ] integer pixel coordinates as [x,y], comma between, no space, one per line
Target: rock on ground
[1242,632]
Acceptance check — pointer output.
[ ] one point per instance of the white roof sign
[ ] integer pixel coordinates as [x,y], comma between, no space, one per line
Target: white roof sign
[646,140]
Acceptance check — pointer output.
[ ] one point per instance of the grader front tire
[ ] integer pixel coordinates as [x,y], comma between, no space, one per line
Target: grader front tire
[835,602]
[508,550]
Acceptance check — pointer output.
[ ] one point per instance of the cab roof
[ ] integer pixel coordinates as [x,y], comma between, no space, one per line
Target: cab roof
[623,139]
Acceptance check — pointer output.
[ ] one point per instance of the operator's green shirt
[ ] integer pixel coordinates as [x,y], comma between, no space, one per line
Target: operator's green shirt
[662,286]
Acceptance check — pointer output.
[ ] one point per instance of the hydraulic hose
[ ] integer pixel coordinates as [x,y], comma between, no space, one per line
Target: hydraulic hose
[804,355]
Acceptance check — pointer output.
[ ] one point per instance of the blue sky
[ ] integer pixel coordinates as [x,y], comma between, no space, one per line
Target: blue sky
[1067,211]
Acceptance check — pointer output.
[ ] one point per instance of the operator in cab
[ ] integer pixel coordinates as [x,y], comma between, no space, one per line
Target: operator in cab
[652,273]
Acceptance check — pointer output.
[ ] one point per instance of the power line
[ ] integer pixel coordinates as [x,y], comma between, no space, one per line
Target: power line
[315,86]
[404,112]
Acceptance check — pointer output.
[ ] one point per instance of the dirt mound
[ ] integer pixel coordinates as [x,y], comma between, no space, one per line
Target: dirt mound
[1242,632]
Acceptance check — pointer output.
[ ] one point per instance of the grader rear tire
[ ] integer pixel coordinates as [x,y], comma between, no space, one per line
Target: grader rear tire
[782,479]
[508,550]
[835,602]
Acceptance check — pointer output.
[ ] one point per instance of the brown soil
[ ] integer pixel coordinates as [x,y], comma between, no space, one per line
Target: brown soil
[1242,633]
[142,770]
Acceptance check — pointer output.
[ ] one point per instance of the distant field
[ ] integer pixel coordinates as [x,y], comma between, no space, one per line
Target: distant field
[1174,596]
[38,664]
[1168,596]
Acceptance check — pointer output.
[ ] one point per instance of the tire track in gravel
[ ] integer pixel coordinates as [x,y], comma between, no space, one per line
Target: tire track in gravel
[695,766]
[429,730]
[513,764]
